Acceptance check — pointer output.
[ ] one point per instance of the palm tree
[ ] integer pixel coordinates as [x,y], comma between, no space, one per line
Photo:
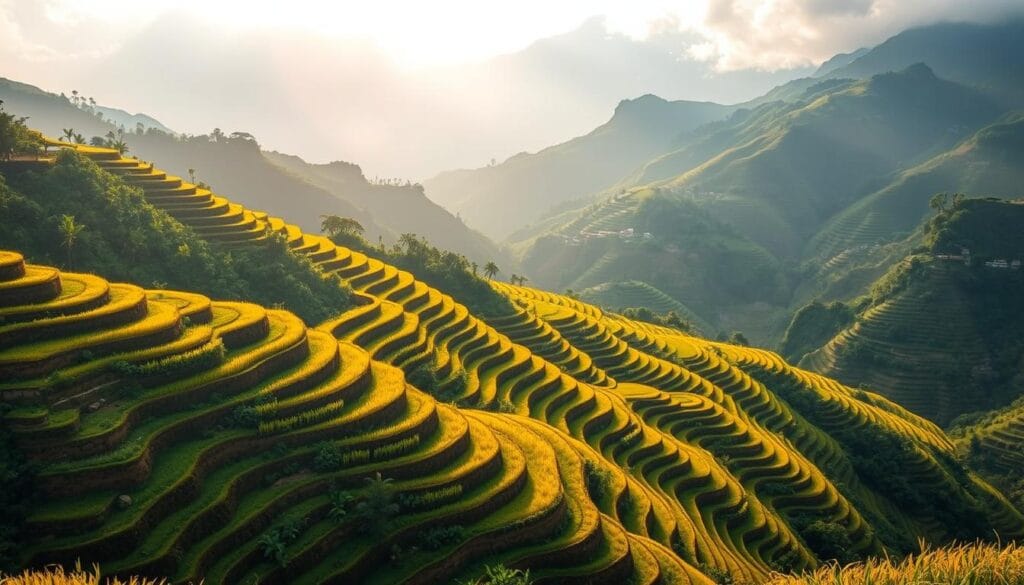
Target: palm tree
[490,269]
[69,231]
[78,139]
[69,134]
[523,280]
[192,176]
[120,146]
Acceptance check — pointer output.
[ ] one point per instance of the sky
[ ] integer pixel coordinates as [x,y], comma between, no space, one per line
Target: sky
[410,88]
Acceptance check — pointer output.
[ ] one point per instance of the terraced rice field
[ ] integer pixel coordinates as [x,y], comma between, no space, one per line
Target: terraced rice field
[583,446]
[910,346]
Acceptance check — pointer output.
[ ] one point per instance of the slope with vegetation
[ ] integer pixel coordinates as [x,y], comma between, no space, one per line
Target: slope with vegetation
[581,445]
[503,198]
[827,174]
[940,333]
[270,181]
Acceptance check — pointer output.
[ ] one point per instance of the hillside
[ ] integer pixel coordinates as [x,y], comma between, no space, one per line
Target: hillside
[979,55]
[402,208]
[985,163]
[762,201]
[576,443]
[938,335]
[276,182]
[502,198]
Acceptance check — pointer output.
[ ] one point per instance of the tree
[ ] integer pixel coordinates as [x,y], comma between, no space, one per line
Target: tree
[378,508]
[192,176]
[15,136]
[69,231]
[217,134]
[78,139]
[491,269]
[69,134]
[938,202]
[341,227]
[737,338]
[120,146]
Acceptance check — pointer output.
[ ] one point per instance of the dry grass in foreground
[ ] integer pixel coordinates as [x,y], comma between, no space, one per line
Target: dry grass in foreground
[57,576]
[964,564]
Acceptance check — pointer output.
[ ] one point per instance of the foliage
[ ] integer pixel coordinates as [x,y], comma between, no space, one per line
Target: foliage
[669,319]
[343,231]
[502,575]
[427,378]
[812,326]
[123,230]
[376,511]
[15,137]
[16,497]
[439,537]
[963,564]
[448,271]
[274,541]
[598,480]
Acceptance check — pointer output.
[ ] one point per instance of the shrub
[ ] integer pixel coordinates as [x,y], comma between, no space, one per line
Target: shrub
[502,575]
[598,480]
[441,536]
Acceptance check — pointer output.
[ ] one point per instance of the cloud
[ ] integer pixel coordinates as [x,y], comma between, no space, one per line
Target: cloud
[781,34]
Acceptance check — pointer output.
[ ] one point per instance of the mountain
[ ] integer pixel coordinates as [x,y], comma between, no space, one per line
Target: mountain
[180,436]
[502,198]
[983,56]
[737,222]
[986,163]
[131,121]
[940,332]
[272,181]
[841,60]
[402,208]
[48,112]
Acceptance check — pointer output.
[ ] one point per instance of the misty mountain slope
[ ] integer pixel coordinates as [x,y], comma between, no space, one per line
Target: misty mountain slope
[502,198]
[51,113]
[302,191]
[765,181]
[816,160]
[987,163]
[398,208]
[236,164]
[986,56]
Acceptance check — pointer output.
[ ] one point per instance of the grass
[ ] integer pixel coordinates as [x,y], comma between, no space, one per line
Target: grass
[77,576]
[975,563]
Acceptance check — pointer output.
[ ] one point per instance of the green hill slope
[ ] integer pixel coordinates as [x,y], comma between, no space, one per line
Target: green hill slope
[986,163]
[578,444]
[800,196]
[938,336]
[502,198]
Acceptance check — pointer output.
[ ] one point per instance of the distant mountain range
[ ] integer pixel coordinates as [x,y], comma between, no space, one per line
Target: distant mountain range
[272,181]
[819,170]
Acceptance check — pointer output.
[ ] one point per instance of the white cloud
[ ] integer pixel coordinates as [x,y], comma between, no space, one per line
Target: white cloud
[781,34]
